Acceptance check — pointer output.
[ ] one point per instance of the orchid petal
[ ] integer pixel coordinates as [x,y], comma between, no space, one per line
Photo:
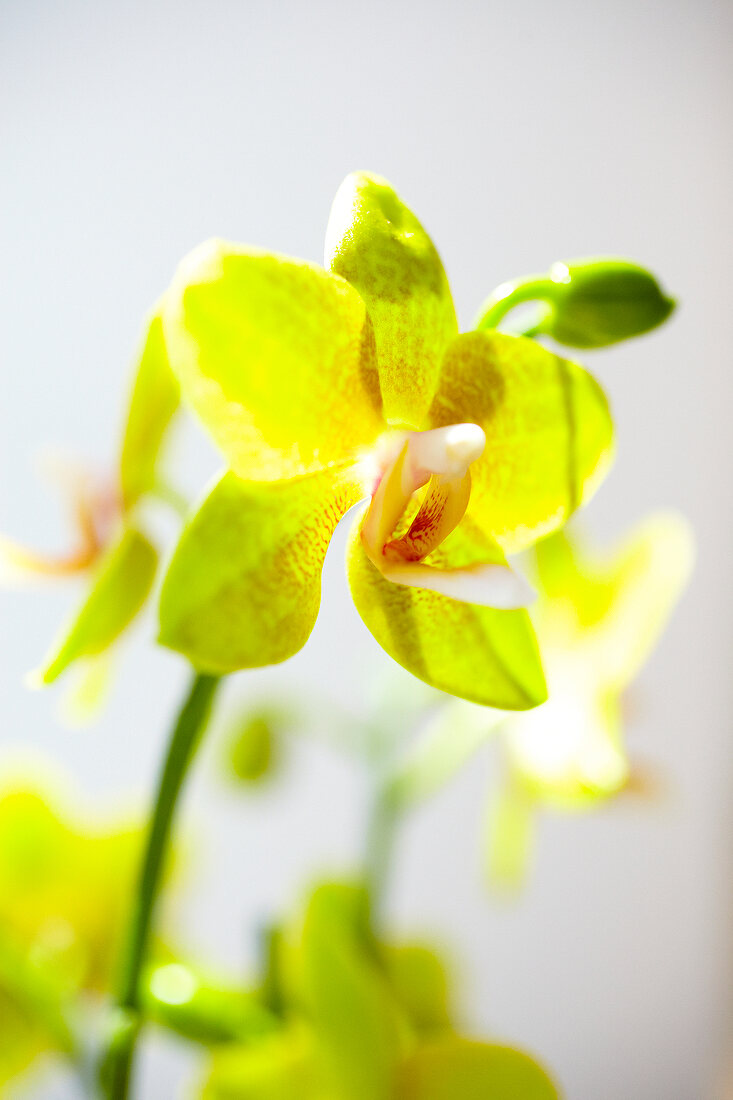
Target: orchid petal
[612,609]
[451,1067]
[548,432]
[276,357]
[244,585]
[569,753]
[153,403]
[361,1029]
[120,586]
[653,570]
[375,242]
[478,653]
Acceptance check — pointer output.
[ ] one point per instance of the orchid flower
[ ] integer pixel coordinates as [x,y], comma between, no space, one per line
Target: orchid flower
[328,386]
[64,889]
[64,879]
[598,619]
[110,549]
[362,1018]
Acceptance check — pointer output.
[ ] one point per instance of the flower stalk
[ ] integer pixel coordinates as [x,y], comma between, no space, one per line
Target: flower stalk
[117,1065]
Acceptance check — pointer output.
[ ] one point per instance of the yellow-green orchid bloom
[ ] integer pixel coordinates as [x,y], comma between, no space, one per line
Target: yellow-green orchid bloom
[326,386]
[110,548]
[597,619]
[93,508]
[64,891]
[365,1020]
[64,882]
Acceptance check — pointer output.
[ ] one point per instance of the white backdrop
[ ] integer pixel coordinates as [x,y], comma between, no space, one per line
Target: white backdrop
[520,134]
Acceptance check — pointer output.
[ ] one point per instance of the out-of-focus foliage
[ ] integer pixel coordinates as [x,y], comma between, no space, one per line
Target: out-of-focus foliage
[254,740]
[315,383]
[598,619]
[64,892]
[365,1020]
[33,1020]
[63,886]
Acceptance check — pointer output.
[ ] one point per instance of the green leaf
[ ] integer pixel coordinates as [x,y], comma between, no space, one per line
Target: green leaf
[155,398]
[360,1028]
[375,242]
[244,585]
[119,589]
[486,656]
[461,1069]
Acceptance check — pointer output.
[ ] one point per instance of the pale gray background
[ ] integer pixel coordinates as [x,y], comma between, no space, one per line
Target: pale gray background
[520,133]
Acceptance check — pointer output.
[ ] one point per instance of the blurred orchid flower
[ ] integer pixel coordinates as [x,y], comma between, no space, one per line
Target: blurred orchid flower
[109,548]
[598,619]
[363,1019]
[65,885]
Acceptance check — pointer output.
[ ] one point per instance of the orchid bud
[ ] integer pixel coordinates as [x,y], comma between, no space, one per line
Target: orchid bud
[597,302]
[252,746]
[588,303]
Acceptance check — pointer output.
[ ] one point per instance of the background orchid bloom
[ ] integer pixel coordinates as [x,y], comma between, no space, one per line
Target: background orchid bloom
[325,386]
[111,549]
[598,619]
[64,890]
[361,1017]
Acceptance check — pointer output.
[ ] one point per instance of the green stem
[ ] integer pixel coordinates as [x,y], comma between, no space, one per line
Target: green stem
[379,847]
[169,495]
[502,300]
[184,740]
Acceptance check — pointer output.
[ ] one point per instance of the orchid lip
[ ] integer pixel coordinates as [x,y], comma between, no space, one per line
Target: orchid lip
[439,459]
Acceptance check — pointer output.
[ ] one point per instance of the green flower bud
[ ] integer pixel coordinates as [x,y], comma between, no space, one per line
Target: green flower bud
[175,996]
[251,746]
[587,303]
[597,302]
